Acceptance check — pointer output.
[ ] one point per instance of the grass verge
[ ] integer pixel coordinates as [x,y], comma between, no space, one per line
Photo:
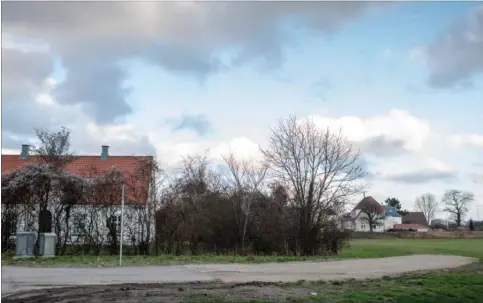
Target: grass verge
[363,248]
[464,284]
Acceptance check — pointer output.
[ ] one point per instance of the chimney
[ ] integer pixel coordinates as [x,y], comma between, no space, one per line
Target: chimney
[105,152]
[25,151]
[364,194]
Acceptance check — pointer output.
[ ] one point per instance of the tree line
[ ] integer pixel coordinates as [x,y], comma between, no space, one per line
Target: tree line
[454,201]
[290,202]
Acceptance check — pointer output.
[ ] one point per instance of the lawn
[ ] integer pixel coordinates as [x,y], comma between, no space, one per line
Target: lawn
[362,248]
[373,248]
[458,285]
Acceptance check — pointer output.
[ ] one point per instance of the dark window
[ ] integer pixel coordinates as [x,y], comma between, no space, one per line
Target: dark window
[45,221]
[79,224]
[114,223]
[12,225]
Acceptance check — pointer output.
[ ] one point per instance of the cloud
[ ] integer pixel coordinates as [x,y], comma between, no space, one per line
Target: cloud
[21,117]
[123,139]
[12,142]
[467,140]
[96,84]
[93,39]
[418,55]
[366,166]
[87,136]
[419,170]
[241,147]
[198,123]
[23,74]
[457,55]
[477,178]
[391,133]
[382,146]
[422,176]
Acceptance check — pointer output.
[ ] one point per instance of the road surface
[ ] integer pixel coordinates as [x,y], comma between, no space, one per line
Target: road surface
[15,279]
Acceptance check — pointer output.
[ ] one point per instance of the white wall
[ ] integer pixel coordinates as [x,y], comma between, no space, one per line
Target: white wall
[361,225]
[348,225]
[94,219]
[391,221]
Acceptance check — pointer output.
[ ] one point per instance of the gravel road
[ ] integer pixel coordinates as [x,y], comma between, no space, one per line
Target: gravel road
[19,279]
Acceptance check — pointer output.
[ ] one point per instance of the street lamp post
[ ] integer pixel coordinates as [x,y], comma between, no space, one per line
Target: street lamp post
[122,227]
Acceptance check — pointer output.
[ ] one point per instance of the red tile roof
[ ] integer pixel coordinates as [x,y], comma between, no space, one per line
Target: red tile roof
[408,226]
[89,165]
[415,217]
[370,202]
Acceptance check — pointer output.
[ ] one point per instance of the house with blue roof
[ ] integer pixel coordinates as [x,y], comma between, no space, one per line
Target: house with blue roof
[392,217]
[386,216]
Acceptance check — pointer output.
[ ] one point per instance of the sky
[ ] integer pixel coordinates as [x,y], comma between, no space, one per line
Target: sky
[403,80]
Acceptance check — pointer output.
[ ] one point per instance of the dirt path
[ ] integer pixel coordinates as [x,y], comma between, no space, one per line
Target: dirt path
[215,278]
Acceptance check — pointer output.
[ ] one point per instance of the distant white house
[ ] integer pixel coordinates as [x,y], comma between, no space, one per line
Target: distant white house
[385,217]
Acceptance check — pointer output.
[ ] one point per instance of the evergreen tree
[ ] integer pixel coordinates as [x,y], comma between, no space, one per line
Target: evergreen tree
[472,225]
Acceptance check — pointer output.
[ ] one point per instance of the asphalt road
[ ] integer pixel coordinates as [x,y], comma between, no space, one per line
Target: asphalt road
[16,279]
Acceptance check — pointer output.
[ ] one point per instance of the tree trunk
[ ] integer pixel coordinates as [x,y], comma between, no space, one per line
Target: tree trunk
[66,232]
[244,233]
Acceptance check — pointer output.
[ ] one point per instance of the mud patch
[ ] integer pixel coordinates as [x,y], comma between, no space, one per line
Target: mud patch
[160,293]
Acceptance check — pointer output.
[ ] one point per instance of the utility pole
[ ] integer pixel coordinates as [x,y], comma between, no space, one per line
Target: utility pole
[122,227]
[447,219]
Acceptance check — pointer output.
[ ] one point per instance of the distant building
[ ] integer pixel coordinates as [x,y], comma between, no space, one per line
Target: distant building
[386,216]
[415,217]
[417,227]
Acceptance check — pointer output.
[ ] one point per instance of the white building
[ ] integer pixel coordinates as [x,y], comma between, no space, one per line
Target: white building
[369,210]
[92,218]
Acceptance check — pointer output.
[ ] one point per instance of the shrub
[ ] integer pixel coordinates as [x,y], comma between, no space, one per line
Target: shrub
[402,230]
[472,225]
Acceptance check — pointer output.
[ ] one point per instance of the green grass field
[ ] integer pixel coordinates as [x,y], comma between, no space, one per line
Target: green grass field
[373,248]
[363,248]
[463,285]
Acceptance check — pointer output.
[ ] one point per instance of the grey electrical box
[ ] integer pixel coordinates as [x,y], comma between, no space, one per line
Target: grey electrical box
[47,245]
[25,243]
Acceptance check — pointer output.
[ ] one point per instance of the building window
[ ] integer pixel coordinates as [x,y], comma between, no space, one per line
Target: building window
[13,227]
[363,225]
[114,222]
[79,224]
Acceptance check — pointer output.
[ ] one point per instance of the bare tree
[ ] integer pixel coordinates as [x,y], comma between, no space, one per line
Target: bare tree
[319,167]
[246,178]
[38,187]
[372,215]
[12,207]
[427,204]
[54,148]
[457,202]
[54,151]
[192,188]
[145,183]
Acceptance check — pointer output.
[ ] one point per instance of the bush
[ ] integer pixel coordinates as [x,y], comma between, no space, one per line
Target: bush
[402,230]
